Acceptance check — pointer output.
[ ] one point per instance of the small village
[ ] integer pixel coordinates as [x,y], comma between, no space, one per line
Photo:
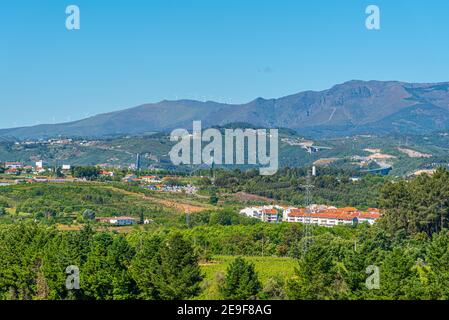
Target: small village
[42,173]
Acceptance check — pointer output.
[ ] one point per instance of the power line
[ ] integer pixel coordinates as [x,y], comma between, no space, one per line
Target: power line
[307,234]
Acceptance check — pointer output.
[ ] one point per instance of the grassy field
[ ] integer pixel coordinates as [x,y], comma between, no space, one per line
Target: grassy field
[266,267]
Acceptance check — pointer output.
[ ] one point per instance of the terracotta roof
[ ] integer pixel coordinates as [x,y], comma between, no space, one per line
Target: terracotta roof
[369,215]
[330,214]
[269,211]
[297,212]
[339,213]
[346,209]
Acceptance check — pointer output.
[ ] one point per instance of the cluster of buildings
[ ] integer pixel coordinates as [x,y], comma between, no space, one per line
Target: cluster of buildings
[142,179]
[14,168]
[265,213]
[156,184]
[107,173]
[46,142]
[189,189]
[120,221]
[321,215]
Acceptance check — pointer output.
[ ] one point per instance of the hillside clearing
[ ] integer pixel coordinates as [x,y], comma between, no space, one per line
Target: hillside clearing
[179,205]
[414,154]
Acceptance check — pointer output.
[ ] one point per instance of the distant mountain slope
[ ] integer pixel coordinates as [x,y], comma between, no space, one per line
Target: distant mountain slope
[354,107]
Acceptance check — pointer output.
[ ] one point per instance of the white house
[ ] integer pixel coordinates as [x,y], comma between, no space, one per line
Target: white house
[293,214]
[13,165]
[122,221]
[118,221]
[252,212]
[39,164]
[370,216]
[269,215]
[265,213]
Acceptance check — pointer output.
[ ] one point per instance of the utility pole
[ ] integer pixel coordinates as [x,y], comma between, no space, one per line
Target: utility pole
[188,218]
[307,214]
[138,164]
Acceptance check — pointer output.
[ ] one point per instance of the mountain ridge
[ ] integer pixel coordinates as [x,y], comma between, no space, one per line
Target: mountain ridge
[353,107]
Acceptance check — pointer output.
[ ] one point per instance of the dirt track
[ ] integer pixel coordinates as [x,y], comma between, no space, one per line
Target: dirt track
[179,206]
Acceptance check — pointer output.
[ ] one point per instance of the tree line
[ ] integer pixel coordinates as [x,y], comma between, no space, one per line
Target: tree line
[34,264]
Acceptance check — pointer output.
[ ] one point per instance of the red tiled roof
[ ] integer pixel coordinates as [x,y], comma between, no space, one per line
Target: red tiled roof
[269,211]
[339,214]
[346,210]
[297,212]
[369,215]
[330,214]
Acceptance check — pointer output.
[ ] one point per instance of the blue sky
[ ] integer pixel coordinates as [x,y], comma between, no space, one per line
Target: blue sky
[132,52]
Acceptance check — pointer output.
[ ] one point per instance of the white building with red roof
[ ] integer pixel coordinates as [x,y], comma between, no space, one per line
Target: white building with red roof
[322,215]
[331,216]
[264,213]
[118,221]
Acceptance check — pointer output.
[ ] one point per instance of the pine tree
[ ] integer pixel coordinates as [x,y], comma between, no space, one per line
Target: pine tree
[142,268]
[141,217]
[177,274]
[437,259]
[241,281]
